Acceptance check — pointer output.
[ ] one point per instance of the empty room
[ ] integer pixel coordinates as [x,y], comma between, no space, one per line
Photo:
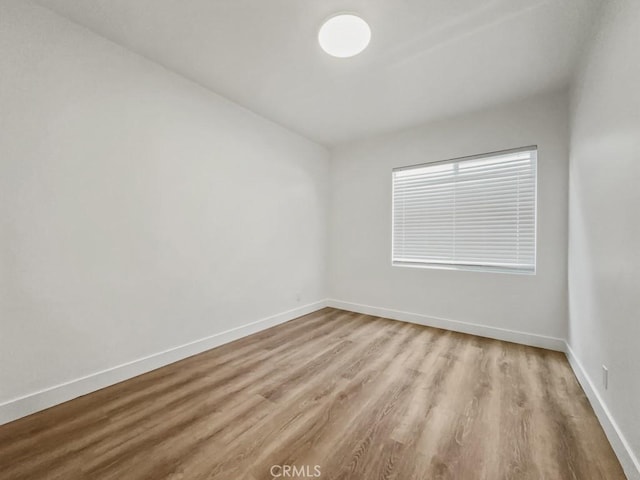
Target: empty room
[320,239]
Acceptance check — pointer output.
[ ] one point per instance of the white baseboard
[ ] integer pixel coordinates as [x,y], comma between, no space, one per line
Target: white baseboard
[621,447]
[34,402]
[514,336]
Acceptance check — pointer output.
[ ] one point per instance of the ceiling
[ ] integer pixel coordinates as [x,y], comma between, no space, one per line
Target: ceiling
[427,58]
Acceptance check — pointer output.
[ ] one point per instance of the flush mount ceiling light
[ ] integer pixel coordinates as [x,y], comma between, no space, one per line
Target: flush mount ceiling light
[344,35]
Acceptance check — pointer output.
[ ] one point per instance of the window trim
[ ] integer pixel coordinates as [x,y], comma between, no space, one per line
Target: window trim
[435,265]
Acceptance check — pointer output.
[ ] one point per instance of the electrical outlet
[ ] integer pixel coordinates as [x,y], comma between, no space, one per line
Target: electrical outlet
[605,377]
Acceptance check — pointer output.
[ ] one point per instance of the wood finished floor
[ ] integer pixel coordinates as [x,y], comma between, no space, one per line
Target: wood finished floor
[359,396]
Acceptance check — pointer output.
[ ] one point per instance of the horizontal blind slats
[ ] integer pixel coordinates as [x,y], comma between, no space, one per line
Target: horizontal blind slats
[511,182]
[477,211]
[463,177]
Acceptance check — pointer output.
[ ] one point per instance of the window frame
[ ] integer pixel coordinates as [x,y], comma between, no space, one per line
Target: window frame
[444,265]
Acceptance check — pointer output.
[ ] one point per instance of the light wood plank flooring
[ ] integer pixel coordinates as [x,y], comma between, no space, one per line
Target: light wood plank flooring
[361,397]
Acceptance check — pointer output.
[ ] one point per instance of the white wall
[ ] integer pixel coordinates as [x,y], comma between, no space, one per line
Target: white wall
[604,239]
[138,211]
[360,269]
[118,241]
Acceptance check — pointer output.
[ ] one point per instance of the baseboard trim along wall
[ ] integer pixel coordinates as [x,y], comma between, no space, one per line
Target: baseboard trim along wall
[37,401]
[621,447]
[628,460]
[49,397]
[514,336]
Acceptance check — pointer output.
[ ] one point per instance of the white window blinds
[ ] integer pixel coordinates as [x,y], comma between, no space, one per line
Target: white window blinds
[476,212]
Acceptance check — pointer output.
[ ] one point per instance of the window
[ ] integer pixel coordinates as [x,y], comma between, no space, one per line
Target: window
[472,213]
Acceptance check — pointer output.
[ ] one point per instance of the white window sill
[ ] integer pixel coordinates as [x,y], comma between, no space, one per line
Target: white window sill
[465,268]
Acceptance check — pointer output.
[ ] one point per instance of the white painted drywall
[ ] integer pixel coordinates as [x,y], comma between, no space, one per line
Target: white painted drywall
[604,238]
[138,211]
[427,58]
[360,222]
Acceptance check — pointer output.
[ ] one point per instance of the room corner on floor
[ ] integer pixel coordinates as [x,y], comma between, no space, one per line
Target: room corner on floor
[336,240]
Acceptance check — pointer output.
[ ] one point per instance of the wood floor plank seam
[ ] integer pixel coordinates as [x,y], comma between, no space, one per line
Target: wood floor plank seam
[360,397]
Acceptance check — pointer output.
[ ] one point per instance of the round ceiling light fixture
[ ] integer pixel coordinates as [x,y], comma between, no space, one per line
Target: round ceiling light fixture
[344,35]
